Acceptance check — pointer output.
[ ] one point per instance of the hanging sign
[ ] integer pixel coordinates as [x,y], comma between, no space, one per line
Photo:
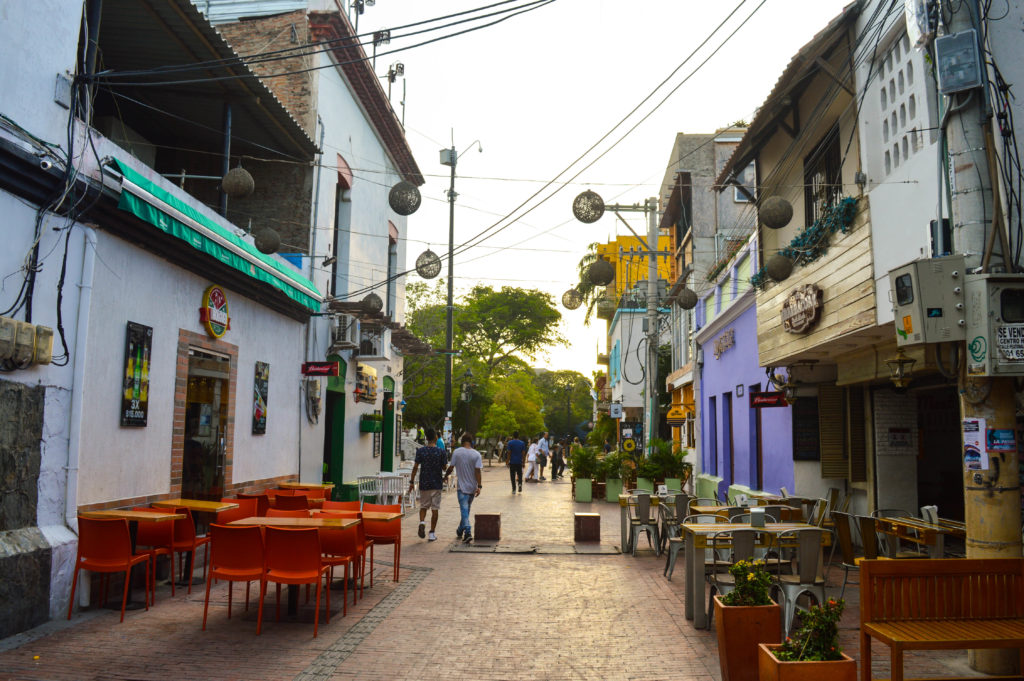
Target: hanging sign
[768,399]
[319,368]
[214,312]
[675,416]
[801,309]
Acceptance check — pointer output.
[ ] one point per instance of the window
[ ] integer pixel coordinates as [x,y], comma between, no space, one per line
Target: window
[822,176]
[748,185]
[805,429]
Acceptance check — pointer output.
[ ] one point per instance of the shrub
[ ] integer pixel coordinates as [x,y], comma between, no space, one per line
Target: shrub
[817,638]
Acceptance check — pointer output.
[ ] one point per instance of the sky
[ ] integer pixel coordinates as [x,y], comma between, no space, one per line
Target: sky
[538,90]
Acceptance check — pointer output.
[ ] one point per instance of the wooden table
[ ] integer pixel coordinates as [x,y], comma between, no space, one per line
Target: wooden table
[696,537]
[196,505]
[920,532]
[795,514]
[323,486]
[334,523]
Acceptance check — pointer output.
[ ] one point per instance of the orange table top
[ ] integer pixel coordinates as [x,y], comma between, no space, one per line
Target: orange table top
[335,523]
[306,485]
[196,505]
[147,516]
[367,515]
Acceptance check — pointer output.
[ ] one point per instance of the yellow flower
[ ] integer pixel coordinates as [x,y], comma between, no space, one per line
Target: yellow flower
[750,576]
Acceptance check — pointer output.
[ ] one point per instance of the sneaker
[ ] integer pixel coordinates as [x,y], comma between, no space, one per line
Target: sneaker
[520,489]
[468,538]
[423,530]
[543,478]
[431,537]
[458,533]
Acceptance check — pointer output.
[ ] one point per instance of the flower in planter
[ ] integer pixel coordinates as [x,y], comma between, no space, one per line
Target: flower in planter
[817,639]
[752,584]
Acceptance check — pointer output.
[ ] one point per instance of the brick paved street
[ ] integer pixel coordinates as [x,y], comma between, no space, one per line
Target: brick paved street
[454,615]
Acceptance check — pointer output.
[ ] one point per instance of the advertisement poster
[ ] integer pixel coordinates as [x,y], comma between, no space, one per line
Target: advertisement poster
[975,458]
[1001,440]
[259,398]
[135,390]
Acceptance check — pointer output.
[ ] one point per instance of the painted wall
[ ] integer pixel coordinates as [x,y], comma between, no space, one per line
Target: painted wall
[626,329]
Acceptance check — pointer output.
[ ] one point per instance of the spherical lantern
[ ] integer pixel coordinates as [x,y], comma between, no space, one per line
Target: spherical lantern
[372,303]
[404,198]
[588,207]
[572,299]
[601,272]
[779,267]
[687,299]
[775,212]
[428,265]
[237,183]
[267,240]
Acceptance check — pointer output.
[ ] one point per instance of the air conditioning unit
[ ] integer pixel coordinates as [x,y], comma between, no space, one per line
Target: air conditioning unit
[344,332]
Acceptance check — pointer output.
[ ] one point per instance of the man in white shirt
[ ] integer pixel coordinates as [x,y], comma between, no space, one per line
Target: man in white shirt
[468,465]
[543,450]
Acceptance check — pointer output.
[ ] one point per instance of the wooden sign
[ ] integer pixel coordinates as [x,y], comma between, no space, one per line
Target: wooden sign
[724,342]
[768,399]
[801,309]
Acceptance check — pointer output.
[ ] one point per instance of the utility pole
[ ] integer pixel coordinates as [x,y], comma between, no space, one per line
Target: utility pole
[651,386]
[992,496]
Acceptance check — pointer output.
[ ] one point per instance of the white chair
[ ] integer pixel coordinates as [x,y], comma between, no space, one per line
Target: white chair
[407,499]
[369,486]
[391,489]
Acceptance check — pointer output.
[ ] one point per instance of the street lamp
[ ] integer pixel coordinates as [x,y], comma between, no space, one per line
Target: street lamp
[568,411]
[450,158]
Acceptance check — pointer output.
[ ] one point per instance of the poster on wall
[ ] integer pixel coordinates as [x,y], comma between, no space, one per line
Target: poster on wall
[975,458]
[135,389]
[260,388]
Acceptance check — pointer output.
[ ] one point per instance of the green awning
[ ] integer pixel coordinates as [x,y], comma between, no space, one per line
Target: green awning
[152,203]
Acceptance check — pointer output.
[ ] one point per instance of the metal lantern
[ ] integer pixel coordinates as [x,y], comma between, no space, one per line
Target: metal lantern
[372,303]
[405,198]
[428,265]
[588,207]
[572,299]
[237,183]
[687,299]
[601,272]
[775,212]
[267,240]
[779,267]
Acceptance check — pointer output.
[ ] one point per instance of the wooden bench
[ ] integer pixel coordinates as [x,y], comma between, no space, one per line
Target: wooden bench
[934,604]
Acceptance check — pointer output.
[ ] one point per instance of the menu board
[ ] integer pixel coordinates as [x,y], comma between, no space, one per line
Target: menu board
[805,429]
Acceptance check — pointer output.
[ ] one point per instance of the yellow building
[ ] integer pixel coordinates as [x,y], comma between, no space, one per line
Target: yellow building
[627,254]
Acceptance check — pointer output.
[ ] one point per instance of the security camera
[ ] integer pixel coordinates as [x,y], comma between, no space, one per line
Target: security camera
[45,164]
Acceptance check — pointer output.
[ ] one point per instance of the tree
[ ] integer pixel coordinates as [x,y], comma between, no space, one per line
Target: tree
[591,294]
[517,394]
[498,422]
[552,386]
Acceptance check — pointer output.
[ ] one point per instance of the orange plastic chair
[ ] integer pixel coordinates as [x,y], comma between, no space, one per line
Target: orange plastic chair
[315,497]
[338,548]
[341,506]
[157,538]
[384,532]
[359,544]
[105,546]
[247,508]
[292,503]
[293,557]
[236,555]
[281,513]
[262,502]
[186,541]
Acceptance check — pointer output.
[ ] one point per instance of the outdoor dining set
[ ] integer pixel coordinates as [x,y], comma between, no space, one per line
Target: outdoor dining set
[290,535]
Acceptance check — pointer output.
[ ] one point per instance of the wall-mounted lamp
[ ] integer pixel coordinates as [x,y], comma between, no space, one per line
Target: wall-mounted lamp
[739,390]
[900,369]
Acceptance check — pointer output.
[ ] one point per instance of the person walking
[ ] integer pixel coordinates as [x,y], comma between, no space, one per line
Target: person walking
[531,461]
[467,464]
[430,462]
[515,448]
[557,461]
[543,451]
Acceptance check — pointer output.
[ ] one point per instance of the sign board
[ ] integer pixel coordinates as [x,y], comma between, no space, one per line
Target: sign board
[724,342]
[214,312]
[675,416]
[135,389]
[615,410]
[760,400]
[1010,341]
[319,368]
[801,309]
[974,444]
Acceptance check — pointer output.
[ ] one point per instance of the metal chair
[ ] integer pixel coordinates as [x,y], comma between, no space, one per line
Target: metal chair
[783,492]
[844,535]
[369,486]
[818,513]
[930,514]
[737,544]
[676,544]
[642,520]
[809,576]
[774,512]
[670,515]
[701,501]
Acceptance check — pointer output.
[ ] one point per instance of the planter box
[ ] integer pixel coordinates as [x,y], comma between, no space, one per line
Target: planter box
[740,629]
[674,483]
[584,491]
[612,490]
[771,669]
[368,426]
[645,483]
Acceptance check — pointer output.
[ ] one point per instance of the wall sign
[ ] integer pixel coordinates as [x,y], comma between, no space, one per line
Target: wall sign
[759,400]
[801,309]
[135,390]
[319,368]
[899,437]
[724,342]
[676,416]
[974,444]
[214,312]
[260,392]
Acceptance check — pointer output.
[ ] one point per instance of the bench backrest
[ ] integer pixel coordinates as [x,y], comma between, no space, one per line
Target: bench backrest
[940,589]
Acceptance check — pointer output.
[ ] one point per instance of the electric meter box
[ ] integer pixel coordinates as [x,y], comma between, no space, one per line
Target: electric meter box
[928,301]
[995,324]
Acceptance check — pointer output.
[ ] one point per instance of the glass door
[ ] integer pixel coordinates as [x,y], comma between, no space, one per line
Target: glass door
[206,420]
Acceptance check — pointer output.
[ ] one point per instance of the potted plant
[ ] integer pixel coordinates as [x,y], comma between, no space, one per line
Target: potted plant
[746,617]
[812,652]
[667,463]
[583,464]
[612,465]
[371,423]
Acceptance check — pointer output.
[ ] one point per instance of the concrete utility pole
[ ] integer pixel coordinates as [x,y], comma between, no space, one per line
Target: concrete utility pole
[651,385]
[992,496]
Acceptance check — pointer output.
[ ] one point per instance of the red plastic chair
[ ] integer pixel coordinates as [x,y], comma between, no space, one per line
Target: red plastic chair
[384,531]
[292,503]
[236,555]
[341,506]
[293,557]
[247,508]
[281,513]
[262,502]
[186,541]
[359,544]
[157,538]
[338,547]
[105,546]
[315,497]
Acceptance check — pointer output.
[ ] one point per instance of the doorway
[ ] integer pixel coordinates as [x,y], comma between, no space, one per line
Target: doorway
[206,424]
[939,469]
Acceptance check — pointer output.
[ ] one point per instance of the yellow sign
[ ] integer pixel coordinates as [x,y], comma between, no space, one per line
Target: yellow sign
[214,312]
[675,416]
[629,445]
[908,324]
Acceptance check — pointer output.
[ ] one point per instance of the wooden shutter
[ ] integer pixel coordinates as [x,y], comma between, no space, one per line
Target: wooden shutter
[858,439]
[832,431]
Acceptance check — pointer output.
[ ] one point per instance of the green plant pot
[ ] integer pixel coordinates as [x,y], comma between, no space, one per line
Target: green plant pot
[674,483]
[584,490]
[612,489]
[645,483]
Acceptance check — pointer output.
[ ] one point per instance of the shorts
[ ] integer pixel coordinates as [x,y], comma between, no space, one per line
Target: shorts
[430,498]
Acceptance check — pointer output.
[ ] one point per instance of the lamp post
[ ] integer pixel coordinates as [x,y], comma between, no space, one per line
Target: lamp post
[450,158]
[568,411]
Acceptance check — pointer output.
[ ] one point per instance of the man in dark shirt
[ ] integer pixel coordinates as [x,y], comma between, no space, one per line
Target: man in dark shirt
[430,462]
[516,449]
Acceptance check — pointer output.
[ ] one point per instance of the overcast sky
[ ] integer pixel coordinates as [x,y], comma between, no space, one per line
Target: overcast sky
[539,89]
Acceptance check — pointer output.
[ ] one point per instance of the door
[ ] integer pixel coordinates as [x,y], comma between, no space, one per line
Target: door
[334,438]
[387,447]
[206,422]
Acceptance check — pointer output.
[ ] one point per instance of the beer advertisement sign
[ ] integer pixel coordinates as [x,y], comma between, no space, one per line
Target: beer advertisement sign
[135,388]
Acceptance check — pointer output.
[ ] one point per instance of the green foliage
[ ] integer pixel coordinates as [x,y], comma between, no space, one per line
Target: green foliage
[612,465]
[589,292]
[583,462]
[666,460]
[520,398]
[605,428]
[752,584]
[730,252]
[817,638]
[499,421]
[551,385]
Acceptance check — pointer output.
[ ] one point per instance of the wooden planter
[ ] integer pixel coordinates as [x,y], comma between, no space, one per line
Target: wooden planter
[740,629]
[771,669]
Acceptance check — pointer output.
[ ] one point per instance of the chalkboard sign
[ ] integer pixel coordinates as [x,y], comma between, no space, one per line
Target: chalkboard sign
[805,429]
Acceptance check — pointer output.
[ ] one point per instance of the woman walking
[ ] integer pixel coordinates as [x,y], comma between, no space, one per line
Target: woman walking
[531,461]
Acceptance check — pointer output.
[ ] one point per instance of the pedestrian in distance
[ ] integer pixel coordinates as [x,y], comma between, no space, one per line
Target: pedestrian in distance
[515,449]
[607,446]
[531,461]
[467,464]
[543,451]
[557,460]
[430,462]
